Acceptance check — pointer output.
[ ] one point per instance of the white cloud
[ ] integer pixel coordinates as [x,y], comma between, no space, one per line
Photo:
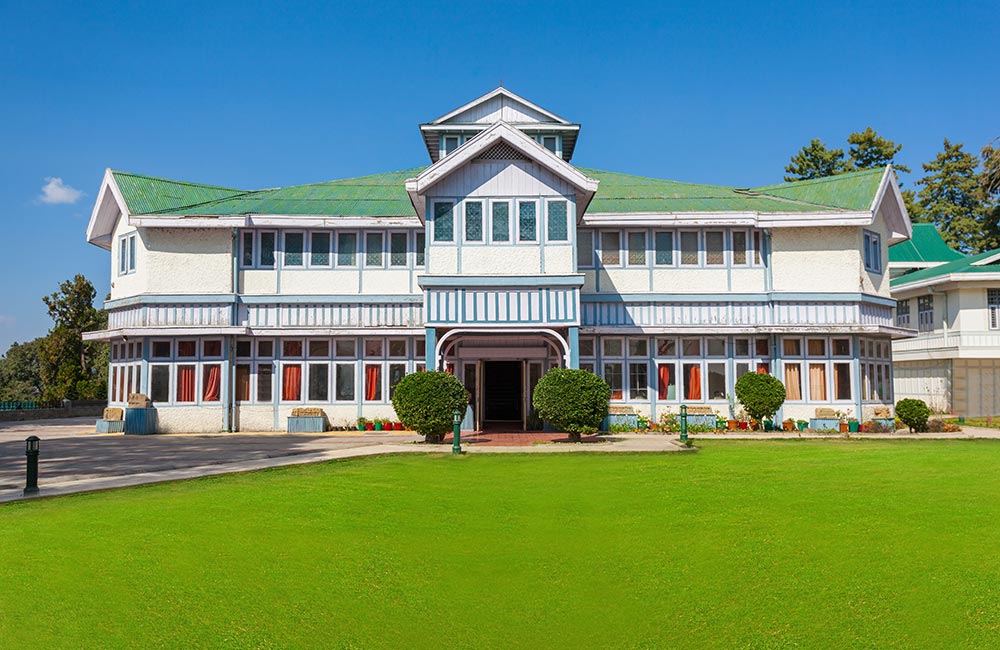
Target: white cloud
[55,192]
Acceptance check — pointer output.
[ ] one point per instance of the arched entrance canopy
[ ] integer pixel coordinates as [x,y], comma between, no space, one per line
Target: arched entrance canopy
[560,344]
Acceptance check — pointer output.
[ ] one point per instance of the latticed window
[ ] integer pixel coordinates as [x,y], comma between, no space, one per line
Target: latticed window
[664,244]
[474,221]
[558,226]
[373,249]
[637,249]
[444,222]
[903,313]
[526,221]
[993,300]
[925,313]
[397,249]
[501,151]
[501,222]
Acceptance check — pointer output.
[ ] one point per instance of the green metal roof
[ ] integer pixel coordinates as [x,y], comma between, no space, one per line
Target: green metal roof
[926,245]
[962,265]
[385,195]
[850,191]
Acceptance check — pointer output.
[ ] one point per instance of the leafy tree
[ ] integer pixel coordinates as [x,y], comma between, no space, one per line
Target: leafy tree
[761,395]
[869,150]
[70,368]
[574,401]
[20,372]
[952,199]
[816,161]
[913,413]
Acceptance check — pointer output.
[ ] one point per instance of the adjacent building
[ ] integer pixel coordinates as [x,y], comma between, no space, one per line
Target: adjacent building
[498,261]
[953,301]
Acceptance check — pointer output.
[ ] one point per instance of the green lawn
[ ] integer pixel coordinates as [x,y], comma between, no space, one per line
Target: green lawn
[819,544]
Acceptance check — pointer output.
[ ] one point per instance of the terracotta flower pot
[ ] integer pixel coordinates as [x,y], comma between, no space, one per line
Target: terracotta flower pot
[844,427]
[788,426]
[732,424]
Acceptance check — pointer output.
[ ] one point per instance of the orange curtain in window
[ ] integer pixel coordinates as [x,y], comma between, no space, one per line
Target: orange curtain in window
[213,384]
[185,383]
[762,369]
[291,383]
[694,383]
[449,368]
[663,378]
[372,382]
[243,383]
[793,381]
[817,382]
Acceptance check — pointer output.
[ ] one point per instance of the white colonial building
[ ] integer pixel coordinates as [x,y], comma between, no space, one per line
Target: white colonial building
[497,262]
[953,302]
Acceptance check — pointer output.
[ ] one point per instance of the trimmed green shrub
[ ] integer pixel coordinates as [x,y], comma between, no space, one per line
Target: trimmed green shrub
[913,413]
[425,402]
[761,395]
[574,401]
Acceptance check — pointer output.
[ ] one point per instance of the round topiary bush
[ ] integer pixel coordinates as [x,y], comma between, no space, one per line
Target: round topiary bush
[425,402]
[574,401]
[761,395]
[913,413]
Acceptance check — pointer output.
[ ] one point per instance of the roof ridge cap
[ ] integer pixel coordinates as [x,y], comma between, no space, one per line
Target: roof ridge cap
[177,182]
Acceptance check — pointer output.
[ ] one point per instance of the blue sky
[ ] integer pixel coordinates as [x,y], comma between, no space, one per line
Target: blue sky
[256,95]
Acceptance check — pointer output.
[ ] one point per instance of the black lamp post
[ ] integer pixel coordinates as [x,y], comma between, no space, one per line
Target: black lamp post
[456,442]
[31,451]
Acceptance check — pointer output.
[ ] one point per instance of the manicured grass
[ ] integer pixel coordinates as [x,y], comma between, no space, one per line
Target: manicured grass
[818,544]
[991,422]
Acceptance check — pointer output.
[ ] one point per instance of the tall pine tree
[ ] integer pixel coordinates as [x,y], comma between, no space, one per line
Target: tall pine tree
[816,161]
[952,199]
[869,150]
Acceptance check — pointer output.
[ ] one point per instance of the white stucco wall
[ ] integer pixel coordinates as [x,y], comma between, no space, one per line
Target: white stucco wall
[133,283]
[817,259]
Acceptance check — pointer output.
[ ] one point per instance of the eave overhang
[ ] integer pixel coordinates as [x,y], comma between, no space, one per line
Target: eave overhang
[108,209]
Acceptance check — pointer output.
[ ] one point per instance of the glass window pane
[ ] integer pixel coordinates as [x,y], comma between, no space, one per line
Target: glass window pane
[692,381]
[291,382]
[739,247]
[666,347]
[373,382]
[319,382]
[691,347]
[613,348]
[817,382]
[345,348]
[501,221]
[161,349]
[319,348]
[762,347]
[638,347]
[716,346]
[246,258]
[526,221]
[294,242]
[397,348]
[243,382]
[611,244]
[159,384]
[347,249]
[345,382]
[265,348]
[613,377]
[842,381]
[666,381]
[793,382]
[584,249]
[211,348]
[586,347]
[474,221]
[816,347]
[637,249]
[741,347]
[549,142]
[689,248]
[373,348]
[664,242]
[714,248]
[420,247]
[185,384]
[186,349]
[716,381]
[444,225]
[397,249]
[638,380]
[396,372]
[266,249]
[291,348]
[319,249]
[791,347]
[265,376]
[373,249]
[243,349]
[842,347]
[558,222]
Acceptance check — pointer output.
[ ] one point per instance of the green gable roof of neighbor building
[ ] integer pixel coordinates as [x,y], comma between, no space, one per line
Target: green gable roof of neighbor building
[925,245]
[960,266]
[385,195]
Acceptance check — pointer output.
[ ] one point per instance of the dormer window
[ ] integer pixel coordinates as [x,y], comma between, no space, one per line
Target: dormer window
[451,143]
[550,143]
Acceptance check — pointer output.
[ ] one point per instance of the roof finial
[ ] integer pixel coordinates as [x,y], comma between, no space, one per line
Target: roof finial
[501,83]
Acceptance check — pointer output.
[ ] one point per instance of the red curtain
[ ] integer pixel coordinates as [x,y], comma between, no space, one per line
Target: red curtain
[449,368]
[185,383]
[762,369]
[373,382]
[291,383]
[212,385]
[664,381]
[694,383]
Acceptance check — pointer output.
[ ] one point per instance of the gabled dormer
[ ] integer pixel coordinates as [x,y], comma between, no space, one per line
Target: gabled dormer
[450,131]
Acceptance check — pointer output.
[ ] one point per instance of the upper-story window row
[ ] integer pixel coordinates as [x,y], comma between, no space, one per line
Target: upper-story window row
[126,253]
[501,221]
[327,249]
[641,248]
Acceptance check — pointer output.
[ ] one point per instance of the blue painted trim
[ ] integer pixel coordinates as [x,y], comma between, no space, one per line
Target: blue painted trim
[734,297]
[856,370]
[430,342]
[500,280]
[574,347]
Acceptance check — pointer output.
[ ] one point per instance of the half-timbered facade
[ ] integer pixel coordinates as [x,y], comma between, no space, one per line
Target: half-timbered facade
[497,262]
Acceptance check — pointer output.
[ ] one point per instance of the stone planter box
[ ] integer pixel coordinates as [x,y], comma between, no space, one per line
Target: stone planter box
[631,420]
[701,421]
[306,424]
[110,426]
[825,424]
[887,422]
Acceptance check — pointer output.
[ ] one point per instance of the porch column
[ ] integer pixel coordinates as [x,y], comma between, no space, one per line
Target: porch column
[574,347]
[856,370]
[430,348]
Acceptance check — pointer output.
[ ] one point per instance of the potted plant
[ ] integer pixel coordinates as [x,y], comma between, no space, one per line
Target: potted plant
[768,425]
[397,426]
[732,422]
[362,424]
[370,426]
[852,425]
[802,424]
[377,422]
[788,424]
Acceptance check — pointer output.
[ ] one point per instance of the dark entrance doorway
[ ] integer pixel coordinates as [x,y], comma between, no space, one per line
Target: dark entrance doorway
[503,392]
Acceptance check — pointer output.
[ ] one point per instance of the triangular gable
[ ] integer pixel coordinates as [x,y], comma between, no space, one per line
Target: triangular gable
[108,209]
[889,201]
[499,105]
[483,144]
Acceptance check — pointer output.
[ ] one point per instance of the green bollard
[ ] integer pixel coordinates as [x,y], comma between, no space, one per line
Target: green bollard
[684,423]
[456,444]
